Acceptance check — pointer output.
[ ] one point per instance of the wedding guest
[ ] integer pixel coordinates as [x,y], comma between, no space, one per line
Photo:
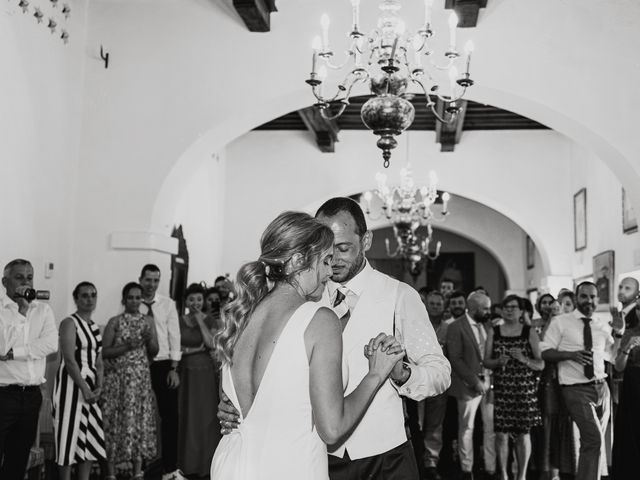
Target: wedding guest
[626,435]
[128,404]
[433,409]
[198,426]
[164,367]
[77,417]
[581,343]
[471,382]
[27,335]
[543,307]
[567,301]
[513,352]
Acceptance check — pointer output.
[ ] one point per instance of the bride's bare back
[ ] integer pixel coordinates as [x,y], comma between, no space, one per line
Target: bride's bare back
[256,344]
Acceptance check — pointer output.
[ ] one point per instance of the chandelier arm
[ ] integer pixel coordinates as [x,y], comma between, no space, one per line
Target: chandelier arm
[332,66]
[433,110]
[323,111]
[443,67]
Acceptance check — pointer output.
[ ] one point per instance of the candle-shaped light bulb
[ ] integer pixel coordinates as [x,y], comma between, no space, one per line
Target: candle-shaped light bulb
[355,4]
[445,200]
[316,45]
[468,48]
[367,200]
[322,75]
[453,76]
[427,12]
[324,25]
[358,52]
[393,49]
[453,24]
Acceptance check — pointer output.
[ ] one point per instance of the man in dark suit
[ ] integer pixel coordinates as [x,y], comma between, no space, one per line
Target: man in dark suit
[470,382]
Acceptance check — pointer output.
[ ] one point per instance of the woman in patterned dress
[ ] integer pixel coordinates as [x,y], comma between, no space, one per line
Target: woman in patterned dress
[128,402]
[79,436]
[513,352]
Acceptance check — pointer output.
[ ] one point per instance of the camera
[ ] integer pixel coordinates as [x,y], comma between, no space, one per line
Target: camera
[31,294]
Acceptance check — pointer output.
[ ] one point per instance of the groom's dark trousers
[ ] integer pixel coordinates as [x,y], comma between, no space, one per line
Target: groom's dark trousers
[397,464]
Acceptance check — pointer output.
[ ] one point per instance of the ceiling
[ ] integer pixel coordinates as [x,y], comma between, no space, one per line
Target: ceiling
[474,116]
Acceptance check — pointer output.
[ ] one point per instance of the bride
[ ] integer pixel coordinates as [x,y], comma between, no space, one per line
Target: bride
[282,360]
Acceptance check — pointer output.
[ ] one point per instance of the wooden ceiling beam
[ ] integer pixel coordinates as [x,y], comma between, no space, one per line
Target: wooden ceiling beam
[256,14]
[325,131]
[449,134]
[467,11]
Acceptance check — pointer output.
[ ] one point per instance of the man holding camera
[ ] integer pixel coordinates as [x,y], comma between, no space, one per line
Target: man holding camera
[27,335]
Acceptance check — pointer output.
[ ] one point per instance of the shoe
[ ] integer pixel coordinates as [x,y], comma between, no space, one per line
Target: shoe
[177,475]
[431,473]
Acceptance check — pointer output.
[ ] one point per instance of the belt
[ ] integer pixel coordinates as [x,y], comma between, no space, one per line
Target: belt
[598,381]
[19,388]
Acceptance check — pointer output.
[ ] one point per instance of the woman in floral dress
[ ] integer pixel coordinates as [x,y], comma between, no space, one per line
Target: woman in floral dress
[128,408]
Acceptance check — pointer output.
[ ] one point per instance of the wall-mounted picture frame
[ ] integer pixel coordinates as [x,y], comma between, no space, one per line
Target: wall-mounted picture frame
[629,219]
[531,252]
[580,219]
[604,276]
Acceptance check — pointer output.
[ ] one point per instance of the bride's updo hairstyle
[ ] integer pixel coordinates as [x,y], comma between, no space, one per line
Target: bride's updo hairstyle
[289,234]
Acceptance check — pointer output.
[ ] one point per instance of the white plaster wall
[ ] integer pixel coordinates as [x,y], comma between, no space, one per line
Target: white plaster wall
[40,78]
[201,214]
[269,172]
[604,216]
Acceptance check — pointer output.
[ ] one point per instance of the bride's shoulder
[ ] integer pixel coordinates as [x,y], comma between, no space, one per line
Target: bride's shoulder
[324,322]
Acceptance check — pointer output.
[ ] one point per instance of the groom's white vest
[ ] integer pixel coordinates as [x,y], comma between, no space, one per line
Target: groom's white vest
[382,427]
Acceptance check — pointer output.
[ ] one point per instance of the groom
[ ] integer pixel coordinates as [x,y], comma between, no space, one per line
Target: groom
[369,302]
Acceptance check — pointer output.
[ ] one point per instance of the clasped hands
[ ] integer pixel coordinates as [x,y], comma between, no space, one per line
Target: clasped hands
[515,353]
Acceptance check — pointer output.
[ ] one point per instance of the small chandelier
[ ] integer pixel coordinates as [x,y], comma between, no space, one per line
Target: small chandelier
[408,207]
[389,59]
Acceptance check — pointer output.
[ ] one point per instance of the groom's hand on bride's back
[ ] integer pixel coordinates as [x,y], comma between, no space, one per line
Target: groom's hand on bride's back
[228,415]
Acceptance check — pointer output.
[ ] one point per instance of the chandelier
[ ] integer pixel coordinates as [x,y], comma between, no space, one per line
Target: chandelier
[389,59]
[408,207]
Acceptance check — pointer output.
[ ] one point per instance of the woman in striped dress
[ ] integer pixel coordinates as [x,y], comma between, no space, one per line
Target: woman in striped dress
[79,436]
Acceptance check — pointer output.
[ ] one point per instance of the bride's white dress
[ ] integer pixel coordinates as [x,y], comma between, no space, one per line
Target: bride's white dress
[277,439]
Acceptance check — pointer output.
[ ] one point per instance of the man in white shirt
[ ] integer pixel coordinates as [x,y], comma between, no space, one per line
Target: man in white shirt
[581,343]
[374,302]
[27,335]
[164,368]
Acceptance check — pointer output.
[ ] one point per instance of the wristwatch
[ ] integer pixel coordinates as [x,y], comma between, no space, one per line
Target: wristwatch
[401,382]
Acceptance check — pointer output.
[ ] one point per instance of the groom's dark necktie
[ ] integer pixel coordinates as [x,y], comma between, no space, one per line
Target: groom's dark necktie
[588,345]
[341,307]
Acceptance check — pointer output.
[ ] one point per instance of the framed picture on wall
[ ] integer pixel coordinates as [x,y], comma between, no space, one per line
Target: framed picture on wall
[580,219]
[604,278]
[629,220]
[531,252]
